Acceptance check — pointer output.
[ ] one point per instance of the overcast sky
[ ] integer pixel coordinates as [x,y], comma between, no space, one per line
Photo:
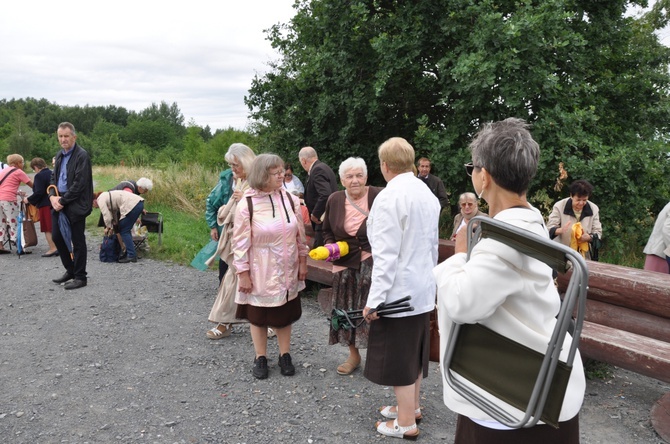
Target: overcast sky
[201,54]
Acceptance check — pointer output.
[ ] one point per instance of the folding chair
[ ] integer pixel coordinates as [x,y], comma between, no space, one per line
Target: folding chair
[537,401]
[154,224]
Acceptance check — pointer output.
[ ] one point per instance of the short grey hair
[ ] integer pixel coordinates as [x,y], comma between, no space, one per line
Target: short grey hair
[69,126]
[468,195]
[353,162]
[145,183]
[259,173]
[241,153]
[508,152]
[307,153]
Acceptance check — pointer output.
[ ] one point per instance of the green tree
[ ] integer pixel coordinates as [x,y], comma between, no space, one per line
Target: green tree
[593,82]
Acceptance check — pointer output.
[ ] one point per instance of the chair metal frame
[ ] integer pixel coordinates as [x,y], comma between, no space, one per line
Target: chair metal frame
[558,257]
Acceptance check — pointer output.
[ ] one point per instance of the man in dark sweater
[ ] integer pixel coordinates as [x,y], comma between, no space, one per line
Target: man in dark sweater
[321,183]
[433,182]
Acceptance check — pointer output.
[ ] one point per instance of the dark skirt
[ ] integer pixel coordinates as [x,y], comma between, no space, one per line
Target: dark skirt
[398,349]
[277,317]
[469,432]
[350,292]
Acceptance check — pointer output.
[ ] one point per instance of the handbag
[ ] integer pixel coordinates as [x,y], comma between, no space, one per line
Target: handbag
[434,337]
[32,212]
[29,234]
[110,249]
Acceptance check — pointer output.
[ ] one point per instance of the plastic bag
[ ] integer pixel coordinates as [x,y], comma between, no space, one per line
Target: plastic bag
[205,253]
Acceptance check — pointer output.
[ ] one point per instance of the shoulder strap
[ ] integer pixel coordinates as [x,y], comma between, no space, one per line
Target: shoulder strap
[360,210]
[7,175]
[250,204]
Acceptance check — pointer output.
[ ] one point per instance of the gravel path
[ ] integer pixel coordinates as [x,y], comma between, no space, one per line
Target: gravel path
[126,360]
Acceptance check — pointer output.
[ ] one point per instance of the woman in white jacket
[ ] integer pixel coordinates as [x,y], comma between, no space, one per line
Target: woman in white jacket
[658,245]
[501,288]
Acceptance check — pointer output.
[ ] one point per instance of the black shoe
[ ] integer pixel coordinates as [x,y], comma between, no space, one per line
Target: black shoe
[260,369]
[77,283]
[66,277]
[287,368]
[125,260]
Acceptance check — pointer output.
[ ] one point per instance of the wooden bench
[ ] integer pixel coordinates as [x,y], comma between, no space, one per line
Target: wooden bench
[627,321]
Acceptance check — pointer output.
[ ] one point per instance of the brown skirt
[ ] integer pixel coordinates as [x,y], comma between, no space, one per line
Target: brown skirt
[350,292]
[398,349]
[278,317]
[469,432]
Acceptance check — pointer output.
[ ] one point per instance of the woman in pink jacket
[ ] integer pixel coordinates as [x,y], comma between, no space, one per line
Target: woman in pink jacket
[270,253]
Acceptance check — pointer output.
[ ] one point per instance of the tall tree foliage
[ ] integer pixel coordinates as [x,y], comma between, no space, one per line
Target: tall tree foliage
[593,82]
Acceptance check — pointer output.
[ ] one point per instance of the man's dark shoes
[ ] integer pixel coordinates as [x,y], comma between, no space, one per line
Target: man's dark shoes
[66,277]
[77,283]
[125,260]
[260,369]
[287,368]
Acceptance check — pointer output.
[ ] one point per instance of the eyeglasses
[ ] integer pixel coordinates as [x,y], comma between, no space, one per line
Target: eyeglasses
[467,204]
[469,168]
[277,173]
[234,165]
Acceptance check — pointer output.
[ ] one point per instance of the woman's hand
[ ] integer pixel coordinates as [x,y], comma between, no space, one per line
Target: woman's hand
[461,240]
[214,234]
[369,317]
[109,231]
[237,195]
[564,228]
[244,282]
[302,269]
[586,237]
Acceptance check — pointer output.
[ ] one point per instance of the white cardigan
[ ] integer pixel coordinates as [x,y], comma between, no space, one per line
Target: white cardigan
[403,235]
[511,294]
[659,240]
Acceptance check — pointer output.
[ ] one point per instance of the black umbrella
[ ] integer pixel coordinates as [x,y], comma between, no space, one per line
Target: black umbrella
[64,225]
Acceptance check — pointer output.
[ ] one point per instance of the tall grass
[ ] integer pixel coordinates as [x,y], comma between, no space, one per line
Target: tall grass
[179,194]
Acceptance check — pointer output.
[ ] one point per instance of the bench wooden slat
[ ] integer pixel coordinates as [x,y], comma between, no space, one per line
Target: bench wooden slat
[623,318]
[627,350]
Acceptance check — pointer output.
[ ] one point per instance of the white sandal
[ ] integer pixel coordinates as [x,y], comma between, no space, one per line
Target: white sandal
[215,333]
[397,431]
[387,413]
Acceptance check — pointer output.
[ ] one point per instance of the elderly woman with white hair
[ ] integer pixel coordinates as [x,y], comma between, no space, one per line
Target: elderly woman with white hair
[141,186]
[220,214]
[469,208]
[345,220]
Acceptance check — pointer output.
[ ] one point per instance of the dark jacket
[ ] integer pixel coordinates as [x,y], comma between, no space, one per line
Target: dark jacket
[130,184]
[41,181]
[78,200]
[333,228]
[321,183]
[437,187]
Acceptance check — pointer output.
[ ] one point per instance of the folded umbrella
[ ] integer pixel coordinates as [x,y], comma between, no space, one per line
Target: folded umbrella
[341,319]
[64,225]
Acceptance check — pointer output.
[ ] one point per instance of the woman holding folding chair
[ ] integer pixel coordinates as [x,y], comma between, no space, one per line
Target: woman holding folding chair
[503,289]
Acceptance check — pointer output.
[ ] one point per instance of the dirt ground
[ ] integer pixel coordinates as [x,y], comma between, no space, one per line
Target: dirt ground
[126,360]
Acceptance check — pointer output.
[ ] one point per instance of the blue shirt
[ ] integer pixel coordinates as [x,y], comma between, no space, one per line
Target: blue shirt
[62,173]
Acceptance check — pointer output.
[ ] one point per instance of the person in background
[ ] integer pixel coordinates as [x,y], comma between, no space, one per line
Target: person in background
[40,199]
[128,207]
[239,157]
[73,178]
[469,209]
[142,186]
[568,212]
[657,250]
[502,288]
[270,260]
[403,234]
[433,182]
[346,220]
[321,183]
[11,178]
[291,182]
